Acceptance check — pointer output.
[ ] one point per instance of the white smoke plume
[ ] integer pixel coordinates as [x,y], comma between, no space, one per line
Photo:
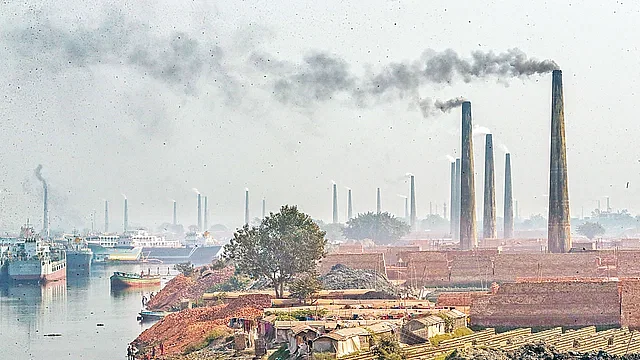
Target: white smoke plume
[408,174]
[450,158]
[333,182]
[480,130]
[195,191]
[403,196]
[504,148]
[124,196]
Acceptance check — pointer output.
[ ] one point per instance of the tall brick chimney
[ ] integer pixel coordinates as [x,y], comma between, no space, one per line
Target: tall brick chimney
[175,213]
[349,206]
[456,213]
[106,216]
[378,205]
[199,212]
[468,236]
[508,198]
[452,199]
[126,215]
[246,206]
[413,203]
[335,204]
[205,215]
[489,219]
[559,226]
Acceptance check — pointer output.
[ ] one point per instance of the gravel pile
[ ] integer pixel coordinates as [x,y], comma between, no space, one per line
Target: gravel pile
[342,277]
[533,352]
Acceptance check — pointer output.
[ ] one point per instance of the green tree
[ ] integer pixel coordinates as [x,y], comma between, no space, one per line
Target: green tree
[334,231]
[185,268]
[283,245]
[304,287]
[590,230]
[382,228]
[387,347]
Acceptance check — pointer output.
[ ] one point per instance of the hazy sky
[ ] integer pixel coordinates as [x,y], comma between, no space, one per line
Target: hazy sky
[154,98]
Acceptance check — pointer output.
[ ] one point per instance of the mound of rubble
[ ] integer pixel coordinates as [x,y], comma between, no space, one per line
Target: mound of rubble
[342,277]
[190,328]
[188,287]
[533,352]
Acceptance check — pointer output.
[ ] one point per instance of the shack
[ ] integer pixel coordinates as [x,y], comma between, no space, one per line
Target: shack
[426,327]
[459,319]
[340,342]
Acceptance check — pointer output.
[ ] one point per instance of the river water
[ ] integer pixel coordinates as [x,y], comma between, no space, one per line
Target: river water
[94,321]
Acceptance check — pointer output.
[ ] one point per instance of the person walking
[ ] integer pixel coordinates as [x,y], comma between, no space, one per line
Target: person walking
[161,348]
[129,352]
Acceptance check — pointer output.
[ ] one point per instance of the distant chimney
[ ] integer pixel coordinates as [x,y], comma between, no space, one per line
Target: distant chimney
[489,219]
[175,213]
[508,199]
[468,236]
[106,216]
[45,225]
[430,207]
[126,215]
[608,205]
[559,226]
[335,203]
[444,211]
[413,203]
[456,217]
[349,206]
[206,214]
[246,207]
[406,209]
[199,212]
[378,206]
[452,200]
[264,208]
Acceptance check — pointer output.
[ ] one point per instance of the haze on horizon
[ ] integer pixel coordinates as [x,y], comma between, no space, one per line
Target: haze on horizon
[133,99]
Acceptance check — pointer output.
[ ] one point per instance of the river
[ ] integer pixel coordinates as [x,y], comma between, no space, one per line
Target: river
[94,322]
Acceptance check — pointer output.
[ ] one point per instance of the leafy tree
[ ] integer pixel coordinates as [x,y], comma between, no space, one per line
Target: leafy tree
[304,287]
[535,222]
[185,268]
[334,231]
[387,347]
[590,230]
[284,244]
[434,222]
[382,228]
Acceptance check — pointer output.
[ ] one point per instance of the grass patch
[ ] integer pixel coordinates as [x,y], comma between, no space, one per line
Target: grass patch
[435,340]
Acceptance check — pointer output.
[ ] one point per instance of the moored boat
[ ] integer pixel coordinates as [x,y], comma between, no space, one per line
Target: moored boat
[120,279]
[146,315]
[35,260]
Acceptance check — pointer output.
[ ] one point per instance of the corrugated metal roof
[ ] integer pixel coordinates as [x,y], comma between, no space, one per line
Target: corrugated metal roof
[430,320]
[456,314]
[381,327]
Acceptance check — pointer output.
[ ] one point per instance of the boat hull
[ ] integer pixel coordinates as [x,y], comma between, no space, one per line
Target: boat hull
[79,261]
[122,281]
[34,271]
[196,255]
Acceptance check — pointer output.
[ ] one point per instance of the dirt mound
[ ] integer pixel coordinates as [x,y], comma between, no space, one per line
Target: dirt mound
[188,287]
[193,328]
[342,277]
[533,352]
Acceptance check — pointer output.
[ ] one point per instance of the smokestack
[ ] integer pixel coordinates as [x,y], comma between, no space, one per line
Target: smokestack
[406,208]
[335,203]
[246,206]
[444,212]
[206,213]
[126,215]
[106,216]
[452,199]
[175,213]
[468,237]
[45,216]
[349,206]
[430,208]
[517,212]
[264,208]
[199,212]
[559,226]
[413,203]
[456,217]
[378,206]
[489,220]
[608,207]
[508,199]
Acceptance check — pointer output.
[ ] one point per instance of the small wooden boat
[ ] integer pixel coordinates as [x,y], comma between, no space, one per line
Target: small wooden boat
[151,315]
[120,279]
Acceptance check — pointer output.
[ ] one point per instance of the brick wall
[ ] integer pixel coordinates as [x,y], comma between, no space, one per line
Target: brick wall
[354,261]
[630,306]
[531,304]
[449,299]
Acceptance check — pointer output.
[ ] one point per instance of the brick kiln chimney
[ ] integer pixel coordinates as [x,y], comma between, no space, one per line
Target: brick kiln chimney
[413,203]
[349,206]
[335,203]
[246,206]
[559,226]
[126,215]
[199,212]
[264,208]
[106,216]
[175,213]
[508,198]
[378,206]
[452,199]
[468,236]
[205,215]
[489,219]
[456,213]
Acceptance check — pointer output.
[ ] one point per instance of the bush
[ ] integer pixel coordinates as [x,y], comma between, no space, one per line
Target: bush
[213,335]
[387,347]
[235,283]
[301,314]
[435,340]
